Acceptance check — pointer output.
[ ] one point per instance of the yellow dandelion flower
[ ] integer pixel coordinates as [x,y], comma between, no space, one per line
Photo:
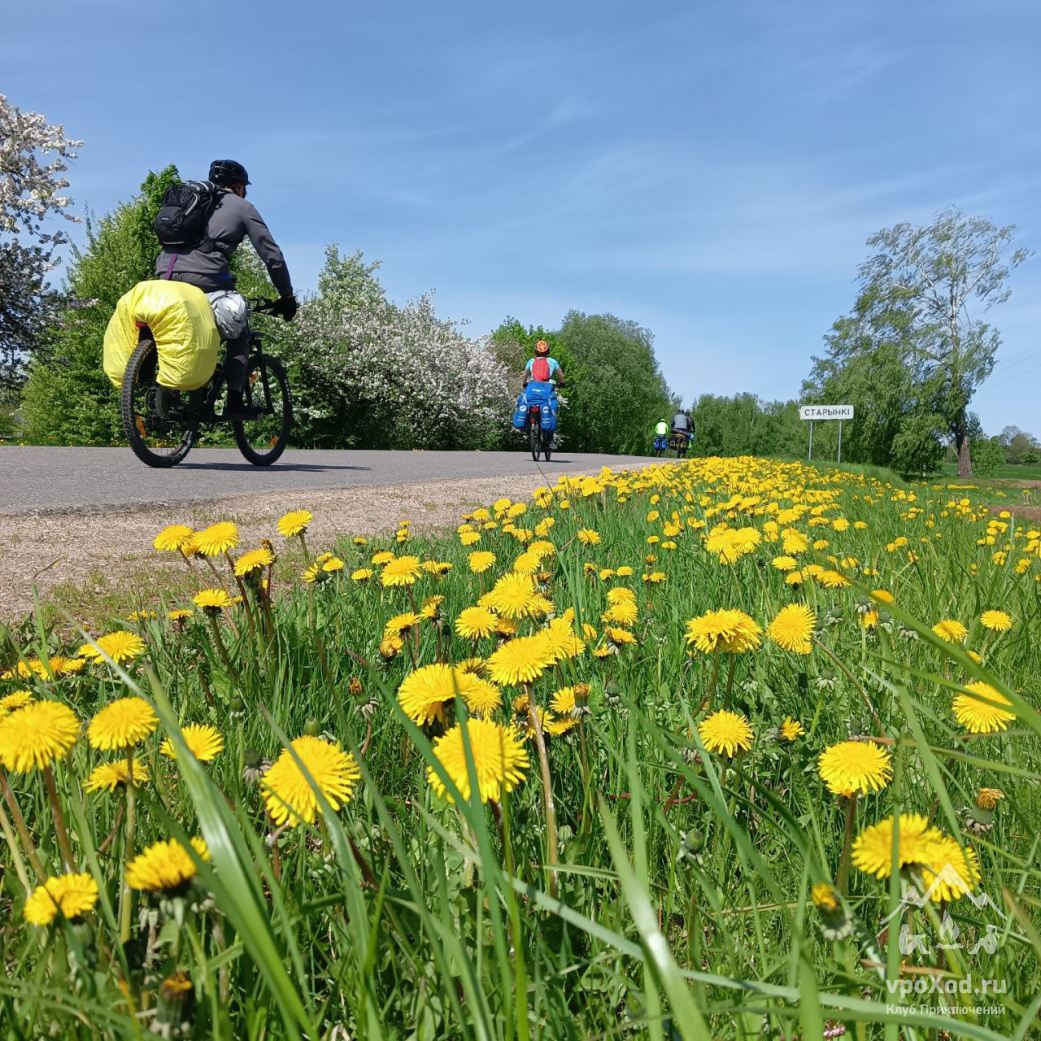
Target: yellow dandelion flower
[480,696]
[785,563]
[824,897]
[921,847]
[362,574]
[521,660]
[987,798]
[475,623]
[179,614]
[212,601]
[172,538]
[996,621]
[120,646]
[792,629]
[294,523]
[951,630]
[882,596]
[470,538]
[725,630]
[977,716]
[854,766]
[400,623]
[216,539]
[424,693]
[480,561]
[70,897]
[556,726]
[61,666]
[383,557]
[511,597]
[14,701]
[725,733]
[527,564]
[165,866]
[588,537]
[561,640]
[37,734]
[401,571]
[624,613]
[473,666]
[289,795]
[204,742]
[122,724]
[832,579]
[791,729]
[254,561]
[563,701]
[496,751]
[109,776]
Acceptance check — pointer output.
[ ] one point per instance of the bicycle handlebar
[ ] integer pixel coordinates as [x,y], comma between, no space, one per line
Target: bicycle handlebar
[260,304]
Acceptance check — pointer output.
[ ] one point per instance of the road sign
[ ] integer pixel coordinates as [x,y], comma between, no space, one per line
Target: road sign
[815,413]
[818,412]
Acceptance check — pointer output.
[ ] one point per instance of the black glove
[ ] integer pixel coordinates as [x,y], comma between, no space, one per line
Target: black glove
[285,307]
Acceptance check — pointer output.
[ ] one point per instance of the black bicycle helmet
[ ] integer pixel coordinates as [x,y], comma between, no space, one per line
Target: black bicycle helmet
[226,172]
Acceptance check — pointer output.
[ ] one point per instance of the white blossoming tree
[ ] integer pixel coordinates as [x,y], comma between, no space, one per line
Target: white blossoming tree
[371,374]
[33,159]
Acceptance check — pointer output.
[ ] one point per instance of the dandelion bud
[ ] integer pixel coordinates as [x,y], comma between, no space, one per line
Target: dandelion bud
[312,728]
[237,708]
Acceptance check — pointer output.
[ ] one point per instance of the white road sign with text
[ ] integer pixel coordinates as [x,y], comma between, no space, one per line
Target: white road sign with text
[815,412]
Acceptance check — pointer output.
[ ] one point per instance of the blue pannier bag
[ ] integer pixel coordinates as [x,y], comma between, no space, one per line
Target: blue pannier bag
[520,414]
[544,397]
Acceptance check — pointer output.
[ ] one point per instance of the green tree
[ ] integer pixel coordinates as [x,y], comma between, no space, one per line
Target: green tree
[744,425]
[617,392]
[914,346]
[68,399]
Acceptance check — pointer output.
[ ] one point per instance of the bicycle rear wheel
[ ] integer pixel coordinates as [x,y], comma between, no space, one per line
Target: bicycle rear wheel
[534,435]
[155,420]
[263,439]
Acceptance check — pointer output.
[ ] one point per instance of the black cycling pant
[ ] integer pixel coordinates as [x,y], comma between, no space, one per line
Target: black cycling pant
[236,362]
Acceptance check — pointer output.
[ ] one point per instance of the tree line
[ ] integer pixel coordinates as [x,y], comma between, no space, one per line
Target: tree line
[366,372]
[909,355]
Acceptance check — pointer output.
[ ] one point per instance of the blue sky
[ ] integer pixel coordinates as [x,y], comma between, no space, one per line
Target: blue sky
[710,170]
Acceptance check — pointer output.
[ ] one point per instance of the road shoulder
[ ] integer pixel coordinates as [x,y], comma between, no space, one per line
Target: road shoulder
[72,556]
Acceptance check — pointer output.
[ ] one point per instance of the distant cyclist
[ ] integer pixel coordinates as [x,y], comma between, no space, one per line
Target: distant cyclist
[206,265]
[682,430]
[542,368]
[661,436]
[682,424]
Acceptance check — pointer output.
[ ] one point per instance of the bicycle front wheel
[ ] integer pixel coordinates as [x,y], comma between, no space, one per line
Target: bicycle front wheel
[264,438]
[155,421]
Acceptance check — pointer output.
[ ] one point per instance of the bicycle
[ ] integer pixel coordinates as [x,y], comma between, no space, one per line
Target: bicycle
[538,397]
[162,425]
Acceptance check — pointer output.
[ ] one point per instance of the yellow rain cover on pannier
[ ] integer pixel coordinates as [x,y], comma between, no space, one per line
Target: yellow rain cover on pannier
[181,321]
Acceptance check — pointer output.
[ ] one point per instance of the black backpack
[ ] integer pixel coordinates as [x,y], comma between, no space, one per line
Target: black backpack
[184,214]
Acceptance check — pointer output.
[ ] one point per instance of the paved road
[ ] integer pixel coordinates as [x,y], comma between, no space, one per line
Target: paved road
[34,479]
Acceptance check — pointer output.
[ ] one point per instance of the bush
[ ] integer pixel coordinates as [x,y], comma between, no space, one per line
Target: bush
[988,457]
[371,374]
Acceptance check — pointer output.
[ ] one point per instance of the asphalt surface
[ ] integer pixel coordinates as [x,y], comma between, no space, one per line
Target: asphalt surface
[57,479]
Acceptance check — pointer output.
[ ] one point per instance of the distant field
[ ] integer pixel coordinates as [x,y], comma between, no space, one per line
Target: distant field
[1022,473]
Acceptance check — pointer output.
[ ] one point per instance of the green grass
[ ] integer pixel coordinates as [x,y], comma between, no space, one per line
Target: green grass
[1006,472]
[679,905]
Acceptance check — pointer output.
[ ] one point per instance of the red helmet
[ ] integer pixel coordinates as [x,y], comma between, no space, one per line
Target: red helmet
[542,347]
